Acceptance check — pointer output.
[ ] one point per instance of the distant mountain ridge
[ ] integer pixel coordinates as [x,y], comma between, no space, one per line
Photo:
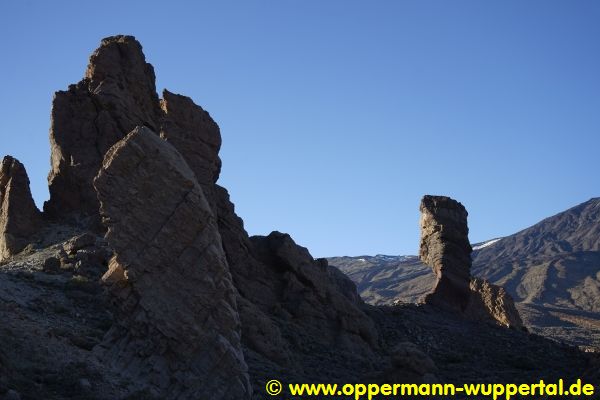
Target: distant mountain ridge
[552,270]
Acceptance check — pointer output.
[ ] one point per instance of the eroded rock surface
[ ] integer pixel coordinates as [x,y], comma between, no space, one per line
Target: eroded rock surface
[19,216]
[289,304]
[178,330]
[492,302]
[117,94]
[193,132]
[445,247]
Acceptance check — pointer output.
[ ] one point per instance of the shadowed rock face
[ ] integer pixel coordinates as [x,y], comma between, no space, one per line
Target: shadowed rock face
[19,217]
[117,94]
[178,331]
[194,133]
[286,311]
[445,247]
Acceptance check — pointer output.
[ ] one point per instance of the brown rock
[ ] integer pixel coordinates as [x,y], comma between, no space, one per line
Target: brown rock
[445,247]
[307,293]
[117,94]
[178,327]
[19,216]
[490,302]
[194,134]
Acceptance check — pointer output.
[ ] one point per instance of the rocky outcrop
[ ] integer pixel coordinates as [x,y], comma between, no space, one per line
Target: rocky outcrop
[489,302]
[445,247]
[299,315]
[312,298]
[19,217]
[178,329]
[117,94]
[193,132]
[289,303]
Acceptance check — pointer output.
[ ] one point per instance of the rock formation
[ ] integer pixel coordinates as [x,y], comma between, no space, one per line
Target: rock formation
[445,247]
[19,217]
[193,132]
[117,94]
[179,329]
[201,310]
[279,293]
[492,302]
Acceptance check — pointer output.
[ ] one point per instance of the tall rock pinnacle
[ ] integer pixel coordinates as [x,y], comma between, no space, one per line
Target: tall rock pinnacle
[117,94]
[19,217]
[179,330]
[445,247]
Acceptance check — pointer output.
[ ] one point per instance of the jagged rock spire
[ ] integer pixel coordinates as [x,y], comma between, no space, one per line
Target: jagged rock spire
[117,94]
[19,216]
[445,247]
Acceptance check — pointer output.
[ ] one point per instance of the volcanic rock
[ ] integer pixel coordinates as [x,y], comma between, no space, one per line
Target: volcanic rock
[178,328]
[19,217]
[117,94]
[193,132]
[445,247]
[292,302]
[492,302]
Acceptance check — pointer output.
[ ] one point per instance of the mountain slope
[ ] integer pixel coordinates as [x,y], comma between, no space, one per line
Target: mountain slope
[551,269]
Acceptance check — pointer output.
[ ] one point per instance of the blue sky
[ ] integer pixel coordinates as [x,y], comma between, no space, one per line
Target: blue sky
[337,116]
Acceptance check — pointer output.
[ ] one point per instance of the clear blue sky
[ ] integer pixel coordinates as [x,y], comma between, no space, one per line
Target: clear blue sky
[337,116]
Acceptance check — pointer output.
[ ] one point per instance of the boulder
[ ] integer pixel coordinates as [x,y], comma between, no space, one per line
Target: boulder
[178,329]
[19,216]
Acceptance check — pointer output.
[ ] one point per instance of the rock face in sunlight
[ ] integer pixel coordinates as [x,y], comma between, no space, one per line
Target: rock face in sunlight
[445,247]
[489,300]
[178,328]
[19,217]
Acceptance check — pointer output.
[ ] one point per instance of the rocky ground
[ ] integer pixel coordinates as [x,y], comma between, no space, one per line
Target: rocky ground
[55,312]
